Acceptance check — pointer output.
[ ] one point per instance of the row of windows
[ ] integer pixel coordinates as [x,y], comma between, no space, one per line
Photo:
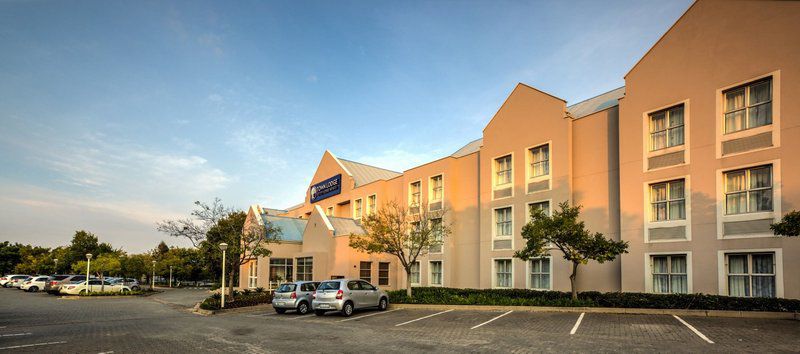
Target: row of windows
[538,165]
[365,272]
[436,191]
[745,107]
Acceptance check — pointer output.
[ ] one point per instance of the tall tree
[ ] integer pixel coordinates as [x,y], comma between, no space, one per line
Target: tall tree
[788,226]
[407,235]
[569,235]
[9,256]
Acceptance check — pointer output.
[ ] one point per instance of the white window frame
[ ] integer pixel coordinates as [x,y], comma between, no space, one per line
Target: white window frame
[494,175]
[722,269]
[494,272]
[329,211]
[529,268]
[252,274]
[360,209]
[529,160]
[775,214]
[411,194]
[648,270]
[528,219]
[441,249]
[687,125]
[430,189]
[775,127]
[297,267]
[371,210]
[430,273]
[419,274]
[494,226]
[648,223]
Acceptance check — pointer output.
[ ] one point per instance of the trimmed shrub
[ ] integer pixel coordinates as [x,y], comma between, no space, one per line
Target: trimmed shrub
[109,293]
[525,297]
[242,300]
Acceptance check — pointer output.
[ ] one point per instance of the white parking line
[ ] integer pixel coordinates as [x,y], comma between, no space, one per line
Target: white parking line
[577,324]
[491,320]
[422,318]
[31,345]
[15,334]
[372,314]
[693,329]
[261,315]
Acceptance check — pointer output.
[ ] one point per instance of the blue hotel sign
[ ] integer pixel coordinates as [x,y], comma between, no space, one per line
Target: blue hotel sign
[327,188]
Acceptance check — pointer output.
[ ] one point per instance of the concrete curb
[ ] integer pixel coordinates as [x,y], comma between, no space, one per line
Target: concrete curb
[245,309]
[637,311]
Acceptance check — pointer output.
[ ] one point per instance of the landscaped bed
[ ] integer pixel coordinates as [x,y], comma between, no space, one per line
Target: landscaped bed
[523,297]
[240,299]
[117,293]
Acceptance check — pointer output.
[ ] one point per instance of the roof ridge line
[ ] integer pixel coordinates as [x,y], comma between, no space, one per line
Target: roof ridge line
[595,96]
[368,165]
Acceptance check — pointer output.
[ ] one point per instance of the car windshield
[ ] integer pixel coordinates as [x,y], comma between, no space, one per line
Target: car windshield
[330,285]
[286,288]
[60,277]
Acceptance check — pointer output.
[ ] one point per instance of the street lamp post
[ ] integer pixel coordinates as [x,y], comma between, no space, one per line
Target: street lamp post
[153,278]
[88,265]
[170,276]
[56,266]
[223,246]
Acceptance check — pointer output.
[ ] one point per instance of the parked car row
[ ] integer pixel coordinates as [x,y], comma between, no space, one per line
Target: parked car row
[343,295]
[68,284]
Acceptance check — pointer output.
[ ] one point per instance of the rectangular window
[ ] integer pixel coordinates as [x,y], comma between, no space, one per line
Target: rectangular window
[669,274]
[280,270]
[414,194]
[329,211]
[437,188]
[502,167]
[305,268]
[436,227]
[502,269]
[540,161]
[365,271]
[502,222]
[748,106]
[436,272]
[414,277]
[540,273]
[383,273]
[252,274]
[357,209]
[666,128]
[748,190]
[371,204]
[751,274]
[668,201]
[543,206]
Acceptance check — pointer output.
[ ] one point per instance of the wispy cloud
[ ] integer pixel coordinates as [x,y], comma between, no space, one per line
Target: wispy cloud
[398,158]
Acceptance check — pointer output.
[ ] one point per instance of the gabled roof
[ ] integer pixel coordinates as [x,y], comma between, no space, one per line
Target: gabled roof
[363,174]
[471,147]
[291,228]
[596,103]
[345,226]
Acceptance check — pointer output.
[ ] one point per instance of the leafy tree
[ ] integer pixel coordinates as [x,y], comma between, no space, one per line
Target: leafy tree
[395,230]
[107,263]
[788,226]
[82,243]
[138,266]
[34,260]
[161,250]
[570,236]
[9,256]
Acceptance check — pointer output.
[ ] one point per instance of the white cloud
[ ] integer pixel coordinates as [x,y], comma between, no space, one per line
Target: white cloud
[399,159]
[312,78]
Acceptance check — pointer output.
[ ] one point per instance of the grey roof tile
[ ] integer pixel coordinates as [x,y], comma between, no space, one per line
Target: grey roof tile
[597,103]
[363,174]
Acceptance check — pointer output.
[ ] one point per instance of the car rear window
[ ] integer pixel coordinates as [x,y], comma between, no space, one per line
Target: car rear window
[60,277]
[330,285]
[286,288]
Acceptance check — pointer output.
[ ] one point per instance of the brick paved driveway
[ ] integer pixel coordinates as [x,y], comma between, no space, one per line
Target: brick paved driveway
[43,323]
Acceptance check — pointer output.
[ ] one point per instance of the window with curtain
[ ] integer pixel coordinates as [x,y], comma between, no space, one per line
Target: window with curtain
[543,206]
[502,220]
[365,271]
[666,128]
[436,273]
[748,106]
[383,273]
[751,274]
[252,274]
[414,276]
[357,209]
[436,227]
[669,274]
[668,201]
[280,270]
[437,188]
[371,204]
[414,193]
[502,167]
[748,190]
[305,268]
[502,268]
[540,273]
[540,161]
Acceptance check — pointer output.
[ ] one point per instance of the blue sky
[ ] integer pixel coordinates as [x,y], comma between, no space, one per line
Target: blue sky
[116,115]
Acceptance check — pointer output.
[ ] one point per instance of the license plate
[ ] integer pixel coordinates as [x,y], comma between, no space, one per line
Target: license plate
[324,306]
[279,303]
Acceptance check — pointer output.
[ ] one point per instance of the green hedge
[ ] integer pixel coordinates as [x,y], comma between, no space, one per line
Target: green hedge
[243,299]
[524,297]
[116,293]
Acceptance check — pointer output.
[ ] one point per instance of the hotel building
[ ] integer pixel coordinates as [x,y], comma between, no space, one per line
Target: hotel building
[689,162]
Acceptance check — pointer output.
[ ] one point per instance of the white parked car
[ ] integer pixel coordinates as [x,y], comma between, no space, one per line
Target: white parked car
[7,280]
[95,285]
[34,284]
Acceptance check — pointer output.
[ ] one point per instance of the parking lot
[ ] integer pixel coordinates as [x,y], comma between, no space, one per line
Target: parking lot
[162,323]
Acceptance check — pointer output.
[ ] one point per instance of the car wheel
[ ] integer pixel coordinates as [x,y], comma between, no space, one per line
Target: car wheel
[302,308]
[82,292]
[383,304]
[319,312]
[125,291]
[347,310]
[33,289]
[280,310]
[135,288]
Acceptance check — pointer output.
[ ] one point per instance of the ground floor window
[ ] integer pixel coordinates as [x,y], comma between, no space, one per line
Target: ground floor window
[305,268]
[436,272]
[503,275]
[669,274]
[414,276]
[280,270]
[252,274]
[383,273]
[540,273]
[751,274]
[365,271]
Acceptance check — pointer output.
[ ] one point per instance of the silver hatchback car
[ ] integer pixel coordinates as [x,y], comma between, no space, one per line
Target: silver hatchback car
[348,295]
[294,296]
